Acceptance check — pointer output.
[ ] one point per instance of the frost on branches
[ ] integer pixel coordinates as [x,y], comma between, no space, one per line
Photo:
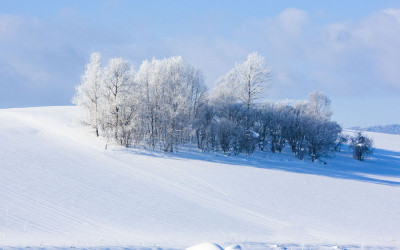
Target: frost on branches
[246,83]
[361,145]
[88,94]
[165,103]
[155,106]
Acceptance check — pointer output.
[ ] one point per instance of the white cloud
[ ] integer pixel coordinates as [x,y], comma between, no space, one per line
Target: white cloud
[361,56]
[395,13]
[339,58]
[292,21]
[351,61]
[372,42]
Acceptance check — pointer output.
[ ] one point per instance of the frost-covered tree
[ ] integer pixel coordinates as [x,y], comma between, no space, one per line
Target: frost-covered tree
[148,81]
[319,105]
[247,82]
[205,127]
[166,104]
[226,89]
[321,136]
[253,75]
[120,104]
[296,130]
[361,145]
[244,85]
[311,131]
[278,124]
[171,93]
[88,94]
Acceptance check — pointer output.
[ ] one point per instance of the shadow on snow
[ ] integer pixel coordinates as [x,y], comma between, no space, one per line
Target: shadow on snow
[379,168]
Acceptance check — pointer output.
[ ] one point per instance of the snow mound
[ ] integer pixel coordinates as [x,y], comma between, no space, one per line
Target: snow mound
[205,246]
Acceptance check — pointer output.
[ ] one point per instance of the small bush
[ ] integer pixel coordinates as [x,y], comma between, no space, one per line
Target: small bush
[361,146]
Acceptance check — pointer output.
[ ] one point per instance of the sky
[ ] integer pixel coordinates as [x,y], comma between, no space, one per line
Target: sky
[348,50]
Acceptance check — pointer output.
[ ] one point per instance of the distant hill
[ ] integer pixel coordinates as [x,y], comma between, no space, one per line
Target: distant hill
[387,129]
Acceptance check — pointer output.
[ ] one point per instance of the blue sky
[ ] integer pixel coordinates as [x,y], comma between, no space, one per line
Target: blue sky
[348,50]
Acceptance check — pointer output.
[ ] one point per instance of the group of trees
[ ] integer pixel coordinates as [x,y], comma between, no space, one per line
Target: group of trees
[155,106]
[236,127]
[166,103]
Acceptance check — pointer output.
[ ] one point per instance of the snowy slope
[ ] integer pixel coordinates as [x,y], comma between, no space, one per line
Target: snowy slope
[383,141]
[60,187]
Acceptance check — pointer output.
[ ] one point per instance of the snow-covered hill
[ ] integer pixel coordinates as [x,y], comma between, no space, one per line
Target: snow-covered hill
[388,129]
[60,187]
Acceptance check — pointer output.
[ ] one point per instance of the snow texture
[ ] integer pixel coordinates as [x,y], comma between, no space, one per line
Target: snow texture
[60,188]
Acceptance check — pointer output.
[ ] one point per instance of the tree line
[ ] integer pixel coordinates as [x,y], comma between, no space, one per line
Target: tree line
[165,103]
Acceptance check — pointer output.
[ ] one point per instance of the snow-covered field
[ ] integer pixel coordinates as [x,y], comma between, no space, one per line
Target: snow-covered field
[59,188]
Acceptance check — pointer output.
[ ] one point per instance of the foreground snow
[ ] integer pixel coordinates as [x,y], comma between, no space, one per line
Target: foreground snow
[60,187]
